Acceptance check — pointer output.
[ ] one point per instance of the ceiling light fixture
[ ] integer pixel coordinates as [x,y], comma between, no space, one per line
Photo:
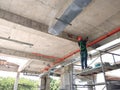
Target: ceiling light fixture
[16,41]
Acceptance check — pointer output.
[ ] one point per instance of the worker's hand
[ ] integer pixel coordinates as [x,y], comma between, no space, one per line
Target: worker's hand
[86,39]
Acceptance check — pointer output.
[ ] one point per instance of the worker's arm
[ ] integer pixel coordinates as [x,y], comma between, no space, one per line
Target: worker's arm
[78,43]
[86,39]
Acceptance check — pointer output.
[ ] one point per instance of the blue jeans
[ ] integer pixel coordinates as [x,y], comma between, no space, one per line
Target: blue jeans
[84,59]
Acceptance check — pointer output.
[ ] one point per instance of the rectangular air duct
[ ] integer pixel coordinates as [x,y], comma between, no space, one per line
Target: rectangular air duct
[70,13]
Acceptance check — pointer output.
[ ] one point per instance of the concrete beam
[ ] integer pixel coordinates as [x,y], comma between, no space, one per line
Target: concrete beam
[28,72]
[23,21]
[24,66]
[23,54]
[9,16]
[8,68]
[68,36]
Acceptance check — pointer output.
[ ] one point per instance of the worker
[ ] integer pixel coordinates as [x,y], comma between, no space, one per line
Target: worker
[83,51]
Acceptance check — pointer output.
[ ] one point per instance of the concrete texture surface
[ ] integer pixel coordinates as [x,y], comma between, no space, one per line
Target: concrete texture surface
[29,20]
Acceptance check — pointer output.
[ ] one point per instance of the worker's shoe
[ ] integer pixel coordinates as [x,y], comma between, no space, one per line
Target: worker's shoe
[89,67]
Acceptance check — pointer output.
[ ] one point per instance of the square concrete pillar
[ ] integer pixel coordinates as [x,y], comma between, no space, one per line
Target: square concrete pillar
[66,78]
[45,83]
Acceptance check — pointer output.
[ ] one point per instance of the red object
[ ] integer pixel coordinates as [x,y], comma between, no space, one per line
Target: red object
[104,36]
[88,45]
[79,38]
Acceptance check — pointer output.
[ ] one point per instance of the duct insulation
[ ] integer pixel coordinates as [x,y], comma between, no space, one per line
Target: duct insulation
[70,13]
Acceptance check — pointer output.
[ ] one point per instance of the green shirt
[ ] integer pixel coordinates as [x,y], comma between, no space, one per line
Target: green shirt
[82,45]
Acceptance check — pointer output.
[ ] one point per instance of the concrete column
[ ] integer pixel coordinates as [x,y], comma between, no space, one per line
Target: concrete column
[45,83]
[66,78]
[16,81]
[39,88]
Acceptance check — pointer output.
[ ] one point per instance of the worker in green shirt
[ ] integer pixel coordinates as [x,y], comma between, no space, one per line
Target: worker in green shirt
[83,51]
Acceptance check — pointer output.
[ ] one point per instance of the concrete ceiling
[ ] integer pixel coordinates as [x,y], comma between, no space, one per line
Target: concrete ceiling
[29,20]
[39,10]
[100,17]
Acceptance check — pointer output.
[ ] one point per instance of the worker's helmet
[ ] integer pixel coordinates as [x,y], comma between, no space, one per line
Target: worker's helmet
[79,38]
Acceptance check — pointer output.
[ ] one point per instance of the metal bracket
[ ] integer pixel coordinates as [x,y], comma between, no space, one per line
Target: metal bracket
[63,21]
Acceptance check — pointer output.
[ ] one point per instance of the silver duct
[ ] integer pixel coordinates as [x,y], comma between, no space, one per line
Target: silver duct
[70,13]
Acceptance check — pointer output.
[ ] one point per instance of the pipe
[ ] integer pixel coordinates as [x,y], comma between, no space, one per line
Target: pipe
[103,37]
[65,57]
[88,45]
[72,11]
